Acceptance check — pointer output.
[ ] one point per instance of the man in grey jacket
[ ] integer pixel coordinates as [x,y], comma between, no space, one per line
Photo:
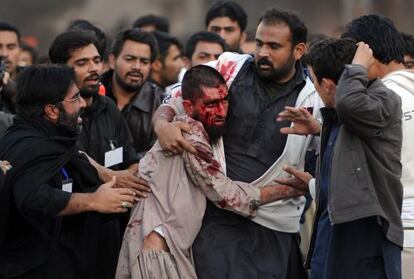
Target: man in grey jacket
[358,230]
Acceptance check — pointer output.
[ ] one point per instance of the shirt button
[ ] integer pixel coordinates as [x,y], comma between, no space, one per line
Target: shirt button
[358,169]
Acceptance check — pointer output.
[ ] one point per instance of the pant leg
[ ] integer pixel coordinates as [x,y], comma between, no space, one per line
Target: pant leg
[359,249]
[408,263]
[153,264]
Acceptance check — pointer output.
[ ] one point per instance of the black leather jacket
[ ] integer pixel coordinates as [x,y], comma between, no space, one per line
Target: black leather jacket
[138,114]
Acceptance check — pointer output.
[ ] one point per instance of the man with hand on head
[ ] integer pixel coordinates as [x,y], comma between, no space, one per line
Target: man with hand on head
[358,230]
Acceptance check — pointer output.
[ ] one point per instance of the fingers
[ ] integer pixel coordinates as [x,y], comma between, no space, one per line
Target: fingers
[133,169]
[188,147]
[288,130]
[111,183]
[184,127]
[292,171]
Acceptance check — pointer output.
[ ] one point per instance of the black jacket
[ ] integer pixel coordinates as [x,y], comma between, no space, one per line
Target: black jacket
[104,128]
[138,114]
[34,241]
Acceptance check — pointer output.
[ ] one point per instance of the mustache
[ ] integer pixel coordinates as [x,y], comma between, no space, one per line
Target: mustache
[92,76]
[135,73]
[264,61]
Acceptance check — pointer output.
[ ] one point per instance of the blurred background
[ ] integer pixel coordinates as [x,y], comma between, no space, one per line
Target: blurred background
[40,21]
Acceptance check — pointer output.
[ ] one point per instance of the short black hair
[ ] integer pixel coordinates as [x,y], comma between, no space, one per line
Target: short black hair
[6,26]
[197,77]
[296,26]
[165,40]
[228,9]
[409,44]
[380,34]
[329,57]
[202,36]
[42,84]
[31,50]
[138,36]
[160,23]
[83,24]
[65,43]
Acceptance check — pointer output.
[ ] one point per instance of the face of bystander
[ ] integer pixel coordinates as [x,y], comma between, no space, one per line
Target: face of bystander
[9,50]
[275,56]
[132,66]
[87,64]
[205,52]
[172,65]
[70,109]
[229,30]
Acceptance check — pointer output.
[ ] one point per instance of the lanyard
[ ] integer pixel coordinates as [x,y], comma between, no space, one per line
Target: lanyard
[64,173]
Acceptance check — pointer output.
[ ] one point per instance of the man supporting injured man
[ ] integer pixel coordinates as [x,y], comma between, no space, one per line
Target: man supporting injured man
[162,228]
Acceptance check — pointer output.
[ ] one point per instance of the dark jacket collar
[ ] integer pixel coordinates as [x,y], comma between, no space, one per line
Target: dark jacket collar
[142,99]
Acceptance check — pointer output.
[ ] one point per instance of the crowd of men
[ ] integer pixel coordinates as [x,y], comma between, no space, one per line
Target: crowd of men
[150,159]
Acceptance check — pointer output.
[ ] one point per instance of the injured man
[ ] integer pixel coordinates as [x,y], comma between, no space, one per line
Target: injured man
[162,228]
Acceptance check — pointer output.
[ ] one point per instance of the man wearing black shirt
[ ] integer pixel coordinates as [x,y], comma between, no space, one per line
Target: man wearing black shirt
[105,136]
[51,199]
[126,83]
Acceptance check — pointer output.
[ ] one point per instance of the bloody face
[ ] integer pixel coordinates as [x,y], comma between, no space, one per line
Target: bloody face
[211,110]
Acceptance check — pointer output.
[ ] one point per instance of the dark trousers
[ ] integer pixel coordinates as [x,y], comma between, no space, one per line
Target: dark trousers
[230,246]
[359,249]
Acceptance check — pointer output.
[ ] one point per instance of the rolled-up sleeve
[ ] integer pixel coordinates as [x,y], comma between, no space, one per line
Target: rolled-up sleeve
[207,173]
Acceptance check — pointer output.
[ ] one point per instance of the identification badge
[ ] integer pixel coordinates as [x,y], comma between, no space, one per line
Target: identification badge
[114,157]
[67,185]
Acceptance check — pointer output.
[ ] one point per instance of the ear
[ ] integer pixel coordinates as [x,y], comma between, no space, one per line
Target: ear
[187,62]
[328,85]
[299,51]
[243,37]
[111,60]
[51,113]
[188,107]
[156,66]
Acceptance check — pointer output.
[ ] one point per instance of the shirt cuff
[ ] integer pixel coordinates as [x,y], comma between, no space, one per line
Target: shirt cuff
[312,188]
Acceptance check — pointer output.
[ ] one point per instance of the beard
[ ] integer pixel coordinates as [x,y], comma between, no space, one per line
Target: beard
[214,132]
[90,90]
[69,122]
[130,88]
[274,74]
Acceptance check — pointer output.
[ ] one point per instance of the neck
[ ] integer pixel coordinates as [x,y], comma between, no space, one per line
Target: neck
[88,101]
[156,77]
[122,96]
[390,67]
[288,76]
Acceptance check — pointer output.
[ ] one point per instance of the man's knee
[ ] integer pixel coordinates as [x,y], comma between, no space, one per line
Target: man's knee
[154,241]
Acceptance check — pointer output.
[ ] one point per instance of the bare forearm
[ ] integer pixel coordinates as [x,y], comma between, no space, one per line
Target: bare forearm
[273,193]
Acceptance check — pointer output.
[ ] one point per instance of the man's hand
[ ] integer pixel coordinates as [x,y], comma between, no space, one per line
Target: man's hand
[303,122]
[363,56]
[6,78]
[171,138]
[108,199]
[299,181]
[128,179]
